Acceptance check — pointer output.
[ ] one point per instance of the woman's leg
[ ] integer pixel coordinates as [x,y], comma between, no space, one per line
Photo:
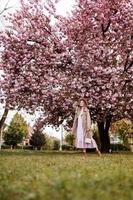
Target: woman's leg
[84,150]
[98,151]
[94,145]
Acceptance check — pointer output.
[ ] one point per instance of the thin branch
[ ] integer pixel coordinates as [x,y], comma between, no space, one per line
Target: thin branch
[130,65]
[105,29]
[5,8]
[127,64]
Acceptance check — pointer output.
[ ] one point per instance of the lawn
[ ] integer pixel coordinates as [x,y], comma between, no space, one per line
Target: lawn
[31,175]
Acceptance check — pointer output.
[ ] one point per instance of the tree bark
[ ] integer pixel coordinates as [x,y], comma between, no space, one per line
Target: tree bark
[103,128]
[2,121]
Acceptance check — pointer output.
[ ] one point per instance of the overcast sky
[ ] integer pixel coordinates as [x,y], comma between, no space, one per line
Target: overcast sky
[63,7]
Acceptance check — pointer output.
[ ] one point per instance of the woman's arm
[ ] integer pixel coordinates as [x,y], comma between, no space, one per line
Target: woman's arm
[75,104]
[88,119]
[89,131]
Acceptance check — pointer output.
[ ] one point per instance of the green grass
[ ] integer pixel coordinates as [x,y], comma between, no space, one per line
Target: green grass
[30,175]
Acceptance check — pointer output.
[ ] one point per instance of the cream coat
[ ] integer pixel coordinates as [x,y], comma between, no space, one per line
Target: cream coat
[86,122]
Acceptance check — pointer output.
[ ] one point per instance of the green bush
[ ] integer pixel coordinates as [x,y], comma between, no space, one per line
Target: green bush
[56,145]
[119,147]
[69,138]
[28,147]
[19,147]
[68,147]
[5,146]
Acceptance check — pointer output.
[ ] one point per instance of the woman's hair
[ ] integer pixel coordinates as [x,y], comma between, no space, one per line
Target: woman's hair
[84,100]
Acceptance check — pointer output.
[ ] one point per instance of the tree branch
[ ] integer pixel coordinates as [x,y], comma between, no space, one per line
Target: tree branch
[105,29]
[127,64]
[5,8]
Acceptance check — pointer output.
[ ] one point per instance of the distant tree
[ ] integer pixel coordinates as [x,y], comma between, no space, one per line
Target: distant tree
[38,139]
[124,128]
[17,129]
[49,140]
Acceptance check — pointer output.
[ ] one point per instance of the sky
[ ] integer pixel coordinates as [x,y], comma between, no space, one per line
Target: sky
[63,7]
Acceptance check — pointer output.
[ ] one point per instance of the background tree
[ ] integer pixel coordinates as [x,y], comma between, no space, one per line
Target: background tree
[16,131]
[38,139]
[124,128]
[49,142]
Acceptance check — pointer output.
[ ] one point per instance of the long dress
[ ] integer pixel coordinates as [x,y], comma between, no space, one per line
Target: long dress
[80,143]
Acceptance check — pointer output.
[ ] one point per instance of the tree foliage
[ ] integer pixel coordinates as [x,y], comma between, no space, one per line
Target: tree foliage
[38,139]
[124,128]
[69,138]
[88,53]
[16,131]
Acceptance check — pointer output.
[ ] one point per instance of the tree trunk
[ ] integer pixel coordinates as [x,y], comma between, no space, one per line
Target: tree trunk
[103,128]
[2,121]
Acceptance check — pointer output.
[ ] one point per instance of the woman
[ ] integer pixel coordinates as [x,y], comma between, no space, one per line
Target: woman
[82,127]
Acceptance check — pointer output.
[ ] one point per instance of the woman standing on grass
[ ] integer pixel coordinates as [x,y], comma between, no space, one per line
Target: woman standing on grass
[82,127]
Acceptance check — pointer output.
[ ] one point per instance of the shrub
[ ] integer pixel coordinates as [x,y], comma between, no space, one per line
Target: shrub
[119,147]
[56,145]
[5,146]
[68,147]
[28,147]
[69,138]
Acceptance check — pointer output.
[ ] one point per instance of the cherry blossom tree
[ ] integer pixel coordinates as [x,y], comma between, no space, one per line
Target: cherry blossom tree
[99,35]
[87,54]
[28,53]
[5,113]
[32,52]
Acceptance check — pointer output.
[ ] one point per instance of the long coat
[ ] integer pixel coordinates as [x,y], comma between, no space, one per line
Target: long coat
[86,122]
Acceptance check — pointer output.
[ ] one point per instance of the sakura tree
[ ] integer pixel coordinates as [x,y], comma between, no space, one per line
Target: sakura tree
[87,54]
[3,118]
[99,35]
[31,56]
